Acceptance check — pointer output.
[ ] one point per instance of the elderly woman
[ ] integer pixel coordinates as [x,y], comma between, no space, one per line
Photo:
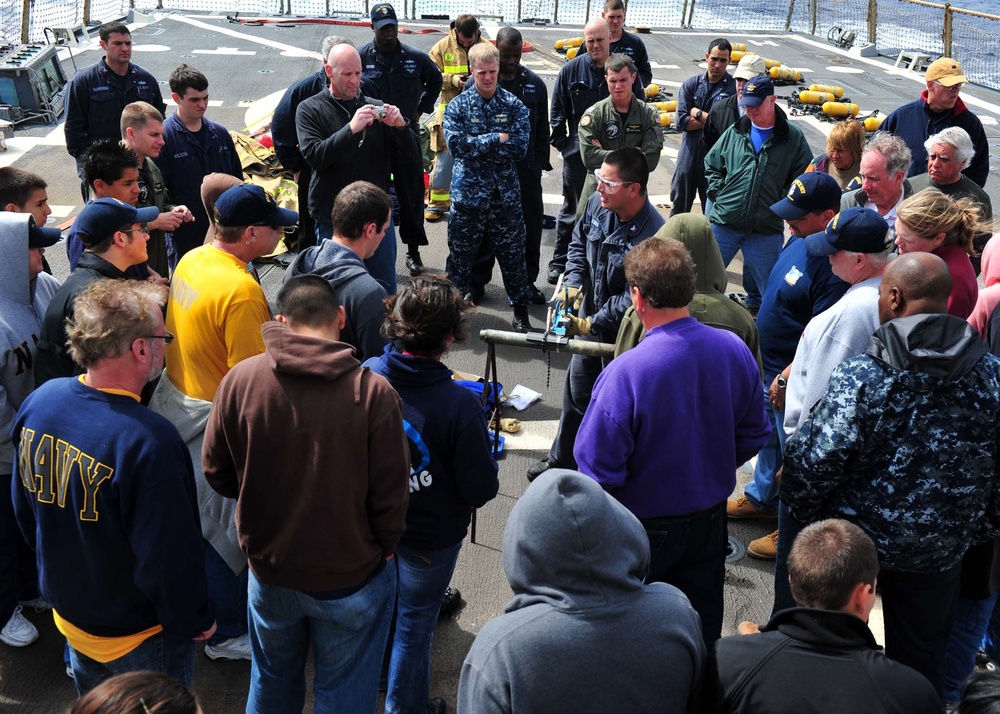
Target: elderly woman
[931,222]
[452,472]
[842,159]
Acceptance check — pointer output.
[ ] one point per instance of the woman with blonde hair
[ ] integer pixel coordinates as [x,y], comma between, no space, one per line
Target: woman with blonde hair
[931,222]
[842,159]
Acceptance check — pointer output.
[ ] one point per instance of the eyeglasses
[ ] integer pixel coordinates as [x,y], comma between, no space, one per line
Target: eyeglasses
[609,186]
[287,230]
[167,338]
[143,228]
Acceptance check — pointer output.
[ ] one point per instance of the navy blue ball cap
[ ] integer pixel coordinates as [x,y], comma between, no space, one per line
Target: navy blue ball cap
[40,236]
[814,191]
[248,205]
[757,90]
[859,230]
[383,14]
[102,218]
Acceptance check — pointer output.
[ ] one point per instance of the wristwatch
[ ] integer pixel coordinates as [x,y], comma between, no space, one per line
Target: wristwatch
[700,115]
[782,382]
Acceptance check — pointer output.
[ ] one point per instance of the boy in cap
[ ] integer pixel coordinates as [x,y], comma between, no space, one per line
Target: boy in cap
[25,292]
[938,108]
[216,309]
[759,157]
[114,238]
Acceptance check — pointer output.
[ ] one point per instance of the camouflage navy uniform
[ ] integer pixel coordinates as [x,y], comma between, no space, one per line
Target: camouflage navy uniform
[905,444]
[485,191]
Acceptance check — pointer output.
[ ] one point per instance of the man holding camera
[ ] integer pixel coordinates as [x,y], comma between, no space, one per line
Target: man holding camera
[347,137]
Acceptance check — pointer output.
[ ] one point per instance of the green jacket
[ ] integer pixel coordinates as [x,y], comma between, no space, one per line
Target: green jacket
[710,305]
[744,184]
[602,123]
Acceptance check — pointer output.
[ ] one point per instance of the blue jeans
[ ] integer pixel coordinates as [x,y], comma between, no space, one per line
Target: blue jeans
[760,253]
[763,490]
[160,653]
[382,265]
[968,629]
[788,529]
[423,577]
[348,638]
[228,592]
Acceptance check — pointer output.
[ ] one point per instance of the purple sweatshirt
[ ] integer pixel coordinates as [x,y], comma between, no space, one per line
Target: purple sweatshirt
[671,420]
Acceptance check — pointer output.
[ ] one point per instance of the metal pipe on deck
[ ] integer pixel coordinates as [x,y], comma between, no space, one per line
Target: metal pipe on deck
[553,343]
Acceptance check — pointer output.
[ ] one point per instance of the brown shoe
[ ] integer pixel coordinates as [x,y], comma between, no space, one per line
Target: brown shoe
[742,508]
[765,548]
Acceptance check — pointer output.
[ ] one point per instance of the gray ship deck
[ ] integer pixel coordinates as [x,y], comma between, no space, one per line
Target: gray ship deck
[248,69]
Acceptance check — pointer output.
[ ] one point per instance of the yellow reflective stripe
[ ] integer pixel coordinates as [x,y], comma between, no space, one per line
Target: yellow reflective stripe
[440,195]
[456,69]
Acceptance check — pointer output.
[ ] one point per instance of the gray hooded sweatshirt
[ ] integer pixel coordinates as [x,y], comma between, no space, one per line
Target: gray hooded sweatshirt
[582,633]
[359,293]
[22,307]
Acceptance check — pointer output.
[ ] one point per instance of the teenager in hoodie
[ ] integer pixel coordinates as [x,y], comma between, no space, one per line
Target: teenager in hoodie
[904,444]
[451,473]
[361,216]
[25,291]
[582,632]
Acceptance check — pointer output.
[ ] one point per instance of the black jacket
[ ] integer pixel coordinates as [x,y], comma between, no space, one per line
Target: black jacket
[53,359]
[723,115]
[807,660]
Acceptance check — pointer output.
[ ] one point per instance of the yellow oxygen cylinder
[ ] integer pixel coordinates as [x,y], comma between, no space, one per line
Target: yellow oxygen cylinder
[873,123]
[668,119]
[769,63]
[670,106]
[833,89]
[840,109]
[560,44]
[737,47]
[571,52]
[808,97]
[785,74]
[574,42]
[652,90]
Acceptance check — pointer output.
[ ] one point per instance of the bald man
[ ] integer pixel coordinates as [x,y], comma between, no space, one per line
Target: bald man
[904,444]
[345,137]
[579,86]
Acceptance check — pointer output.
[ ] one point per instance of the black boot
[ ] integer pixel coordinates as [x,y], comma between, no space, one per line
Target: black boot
[521,321]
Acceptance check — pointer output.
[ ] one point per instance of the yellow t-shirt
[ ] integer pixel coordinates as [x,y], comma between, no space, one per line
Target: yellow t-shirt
[215,311]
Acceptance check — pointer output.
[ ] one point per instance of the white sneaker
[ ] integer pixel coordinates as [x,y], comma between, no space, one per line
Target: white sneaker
[234,648]
[18,632]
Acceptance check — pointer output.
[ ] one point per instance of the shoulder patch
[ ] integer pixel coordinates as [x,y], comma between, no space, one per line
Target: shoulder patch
[585,120]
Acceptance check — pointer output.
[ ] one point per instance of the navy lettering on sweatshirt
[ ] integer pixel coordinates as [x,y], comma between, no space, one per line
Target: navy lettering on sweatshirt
[47,468]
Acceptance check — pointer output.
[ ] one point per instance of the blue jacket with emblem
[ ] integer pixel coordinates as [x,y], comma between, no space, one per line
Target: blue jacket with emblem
[596,261]
[95,101]
[905,444]
[634,47]
[472,128]
[406,78]
[184,161]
